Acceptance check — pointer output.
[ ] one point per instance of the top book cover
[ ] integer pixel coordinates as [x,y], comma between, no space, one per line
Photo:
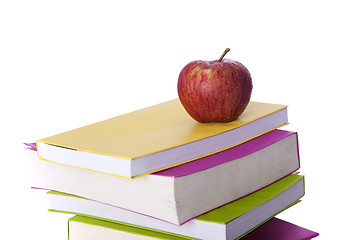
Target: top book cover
[155,138]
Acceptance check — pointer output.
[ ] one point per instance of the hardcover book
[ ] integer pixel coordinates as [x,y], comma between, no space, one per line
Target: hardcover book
[155,138]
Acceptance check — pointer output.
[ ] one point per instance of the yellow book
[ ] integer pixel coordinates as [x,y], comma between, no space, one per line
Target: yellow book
[155,138]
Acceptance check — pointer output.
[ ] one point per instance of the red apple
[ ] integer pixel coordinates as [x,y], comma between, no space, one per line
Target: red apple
[215,91]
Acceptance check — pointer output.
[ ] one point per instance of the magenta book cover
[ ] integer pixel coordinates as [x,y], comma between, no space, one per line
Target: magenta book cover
[227,155]
[277,229]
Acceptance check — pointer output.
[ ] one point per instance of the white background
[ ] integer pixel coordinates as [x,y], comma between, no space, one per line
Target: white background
[65,64]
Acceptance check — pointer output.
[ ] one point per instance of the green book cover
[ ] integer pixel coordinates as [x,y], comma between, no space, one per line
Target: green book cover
[235,209]
[128,228]
[144,231]
[221,215]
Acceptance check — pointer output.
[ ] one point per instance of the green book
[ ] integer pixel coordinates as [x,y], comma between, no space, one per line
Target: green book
[230,221]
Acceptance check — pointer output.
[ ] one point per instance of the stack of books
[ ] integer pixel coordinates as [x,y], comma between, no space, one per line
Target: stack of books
[158,174]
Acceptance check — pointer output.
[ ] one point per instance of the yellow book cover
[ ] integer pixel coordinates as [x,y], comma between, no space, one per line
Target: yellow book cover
[148,134]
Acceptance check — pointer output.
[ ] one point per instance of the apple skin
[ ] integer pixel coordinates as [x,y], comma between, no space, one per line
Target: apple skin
[214,91]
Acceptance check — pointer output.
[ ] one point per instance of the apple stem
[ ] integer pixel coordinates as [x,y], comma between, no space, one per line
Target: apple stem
[222,56]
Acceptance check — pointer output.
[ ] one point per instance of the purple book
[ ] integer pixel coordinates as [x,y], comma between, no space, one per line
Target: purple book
[216,179]
[277,229]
